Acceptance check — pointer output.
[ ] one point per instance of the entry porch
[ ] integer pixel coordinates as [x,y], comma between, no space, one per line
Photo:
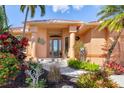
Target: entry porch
[52,41]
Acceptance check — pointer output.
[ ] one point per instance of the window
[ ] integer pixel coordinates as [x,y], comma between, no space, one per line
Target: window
[66,44]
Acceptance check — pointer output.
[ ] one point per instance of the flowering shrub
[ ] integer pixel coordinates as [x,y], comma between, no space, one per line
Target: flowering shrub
[117,68]
[10,44]
[12,57]
[9,67]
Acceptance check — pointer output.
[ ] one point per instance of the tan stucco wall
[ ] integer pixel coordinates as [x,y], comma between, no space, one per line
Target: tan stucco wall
[94,42]
[41,50]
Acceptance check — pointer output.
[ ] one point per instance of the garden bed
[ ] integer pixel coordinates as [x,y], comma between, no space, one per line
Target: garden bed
[65,80]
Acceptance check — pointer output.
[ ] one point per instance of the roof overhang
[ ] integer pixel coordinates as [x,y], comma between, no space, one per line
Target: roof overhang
[84,28]
[55,23]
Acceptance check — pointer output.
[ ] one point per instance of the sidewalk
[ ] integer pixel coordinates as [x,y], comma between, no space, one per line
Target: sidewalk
[119,79]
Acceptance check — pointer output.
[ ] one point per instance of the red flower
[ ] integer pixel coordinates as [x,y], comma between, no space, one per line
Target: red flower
[10,43]
[24,41]
[6,43]
[14,50]
[3,36]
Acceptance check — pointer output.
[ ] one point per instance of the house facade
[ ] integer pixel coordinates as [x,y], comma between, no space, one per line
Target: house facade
[56,39]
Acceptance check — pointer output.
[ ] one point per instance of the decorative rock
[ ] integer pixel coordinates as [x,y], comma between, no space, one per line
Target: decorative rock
[71,72]
[64,69]
[73,80]
[67,86]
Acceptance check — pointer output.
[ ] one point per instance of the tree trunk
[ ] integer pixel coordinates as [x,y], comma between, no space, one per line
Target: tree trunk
[26,16]
[4,10]
[34,82]
[112,47]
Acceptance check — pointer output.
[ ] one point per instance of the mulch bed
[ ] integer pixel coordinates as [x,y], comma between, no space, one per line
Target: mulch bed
[64,81]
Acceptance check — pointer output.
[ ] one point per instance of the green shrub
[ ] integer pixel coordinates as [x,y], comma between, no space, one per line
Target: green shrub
[96,80]
[74,63]
[83,65]
[9,67]
[91,66]
[85,81]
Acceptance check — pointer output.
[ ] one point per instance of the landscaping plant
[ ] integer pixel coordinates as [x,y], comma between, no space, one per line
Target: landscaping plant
[54,75]
[16,47]
[40,84]
[85,81]
[90,66]
[10,44]
[115,67]
[83,65]
[34,72]
[96,80]
[9,67]
[75,63]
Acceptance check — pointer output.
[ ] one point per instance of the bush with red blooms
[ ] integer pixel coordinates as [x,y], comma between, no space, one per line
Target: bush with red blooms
[9,43]
[117,68]
[12,45]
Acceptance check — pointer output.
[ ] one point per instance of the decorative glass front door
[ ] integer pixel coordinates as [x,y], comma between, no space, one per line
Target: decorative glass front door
[55,48]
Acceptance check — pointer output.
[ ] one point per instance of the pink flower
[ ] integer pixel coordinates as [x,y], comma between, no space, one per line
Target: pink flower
[117,67]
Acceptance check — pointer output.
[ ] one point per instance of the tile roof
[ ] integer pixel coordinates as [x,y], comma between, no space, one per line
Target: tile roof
[16,28]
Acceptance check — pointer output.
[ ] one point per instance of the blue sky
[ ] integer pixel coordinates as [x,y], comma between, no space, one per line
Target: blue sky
[83,13]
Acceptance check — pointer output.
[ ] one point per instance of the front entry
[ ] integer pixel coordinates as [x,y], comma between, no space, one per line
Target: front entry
[55,48]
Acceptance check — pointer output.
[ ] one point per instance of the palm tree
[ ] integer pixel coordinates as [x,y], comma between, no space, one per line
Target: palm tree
[4,11]
[32,9]
[3,20]
[112,17]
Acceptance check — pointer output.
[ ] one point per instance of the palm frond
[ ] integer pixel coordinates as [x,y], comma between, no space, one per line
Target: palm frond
[108,11]
[22,8]
[42,9]
[104,24]
[32,10]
